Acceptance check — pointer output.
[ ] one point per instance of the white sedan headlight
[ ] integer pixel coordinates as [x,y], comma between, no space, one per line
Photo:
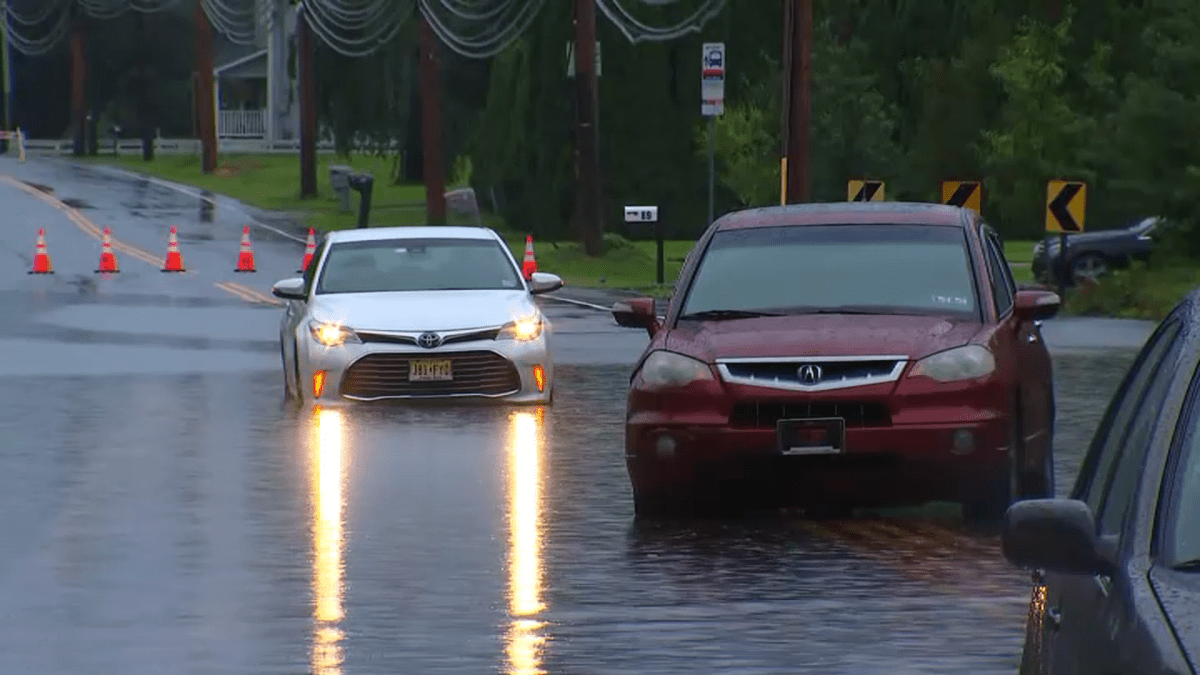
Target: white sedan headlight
[331,334]
[667,369]
[961,363]
[523,329]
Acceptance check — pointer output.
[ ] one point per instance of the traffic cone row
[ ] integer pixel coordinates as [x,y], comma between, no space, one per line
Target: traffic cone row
[108,261]
[310,249]
[245,261]
[41,257]
[529,265]
[172,263]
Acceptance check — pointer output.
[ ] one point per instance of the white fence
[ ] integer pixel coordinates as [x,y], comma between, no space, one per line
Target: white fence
[241,124]
[173,146]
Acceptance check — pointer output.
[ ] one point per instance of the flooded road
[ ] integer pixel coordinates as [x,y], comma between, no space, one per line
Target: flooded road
[164,512]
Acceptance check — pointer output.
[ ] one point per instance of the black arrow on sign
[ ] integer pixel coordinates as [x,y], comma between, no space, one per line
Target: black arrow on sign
[962,193]
[1058,207]
[867,191]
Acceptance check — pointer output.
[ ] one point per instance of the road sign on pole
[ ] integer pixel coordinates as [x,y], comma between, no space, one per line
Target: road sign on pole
[712,105]
[1066,206]
[963,193]
[864,191]
[712,79]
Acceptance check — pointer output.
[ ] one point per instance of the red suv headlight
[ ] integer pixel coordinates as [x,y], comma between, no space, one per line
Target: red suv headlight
[969,362]
[669,370]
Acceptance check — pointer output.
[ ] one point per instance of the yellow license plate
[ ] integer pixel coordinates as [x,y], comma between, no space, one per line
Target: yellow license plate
[428,370]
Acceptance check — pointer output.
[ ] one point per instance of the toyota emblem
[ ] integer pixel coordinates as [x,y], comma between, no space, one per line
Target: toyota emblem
[809,374]
[429,340]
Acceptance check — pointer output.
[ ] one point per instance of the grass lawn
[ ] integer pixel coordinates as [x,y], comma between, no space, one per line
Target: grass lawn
[1140,292]
[272,181]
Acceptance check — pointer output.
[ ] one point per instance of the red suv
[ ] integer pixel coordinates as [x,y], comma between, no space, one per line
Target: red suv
[848,354]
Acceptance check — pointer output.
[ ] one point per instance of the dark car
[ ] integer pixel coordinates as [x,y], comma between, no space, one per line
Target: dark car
[1090,255]
[882,351]
[1119,586]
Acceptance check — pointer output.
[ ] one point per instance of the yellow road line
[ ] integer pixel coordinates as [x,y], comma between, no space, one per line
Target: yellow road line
[247,293]
[84,223]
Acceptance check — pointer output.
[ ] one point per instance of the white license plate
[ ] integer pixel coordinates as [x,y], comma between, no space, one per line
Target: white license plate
[428,370]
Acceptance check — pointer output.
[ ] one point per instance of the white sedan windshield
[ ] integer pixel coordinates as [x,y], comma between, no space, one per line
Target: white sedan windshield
[417,265]
[887,268]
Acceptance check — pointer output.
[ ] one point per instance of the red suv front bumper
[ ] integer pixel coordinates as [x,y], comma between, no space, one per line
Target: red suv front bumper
[904,443]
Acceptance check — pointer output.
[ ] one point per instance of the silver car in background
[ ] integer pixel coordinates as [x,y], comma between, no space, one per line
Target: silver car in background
[415,313]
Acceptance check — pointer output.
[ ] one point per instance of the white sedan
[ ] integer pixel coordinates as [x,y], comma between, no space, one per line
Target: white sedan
[415,313]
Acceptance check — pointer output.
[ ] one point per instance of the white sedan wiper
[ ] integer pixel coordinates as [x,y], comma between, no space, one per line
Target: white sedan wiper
[1187,566]
[720,314]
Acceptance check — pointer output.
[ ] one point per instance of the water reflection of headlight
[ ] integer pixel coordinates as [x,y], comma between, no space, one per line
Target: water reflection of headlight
[327,542]
[525,561]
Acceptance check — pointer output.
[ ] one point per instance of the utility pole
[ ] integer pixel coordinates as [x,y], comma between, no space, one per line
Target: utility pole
[6,75]
[799,100]
[205,105]
[307,55]
[434,171]
[145,121]
[587,162]
[79,83]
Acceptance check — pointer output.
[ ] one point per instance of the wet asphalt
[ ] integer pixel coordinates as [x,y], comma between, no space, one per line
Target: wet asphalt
[162,510]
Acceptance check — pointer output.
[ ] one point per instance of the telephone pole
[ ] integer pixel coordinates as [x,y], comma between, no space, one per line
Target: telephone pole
[799,29]
[306,55]
[79,83]
[587,162]
[206,107]
[434,171]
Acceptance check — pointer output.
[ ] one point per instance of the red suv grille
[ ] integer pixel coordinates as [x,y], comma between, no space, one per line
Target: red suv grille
[764,414]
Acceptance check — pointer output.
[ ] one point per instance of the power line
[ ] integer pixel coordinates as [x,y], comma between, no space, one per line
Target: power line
[357,28]
[637,31]
[494,36]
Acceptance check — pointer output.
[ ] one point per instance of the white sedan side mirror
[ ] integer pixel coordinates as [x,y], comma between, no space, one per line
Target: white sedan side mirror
[542,282]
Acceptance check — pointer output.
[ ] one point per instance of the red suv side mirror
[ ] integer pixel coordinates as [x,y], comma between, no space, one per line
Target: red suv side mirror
[636,313]
[1032,305]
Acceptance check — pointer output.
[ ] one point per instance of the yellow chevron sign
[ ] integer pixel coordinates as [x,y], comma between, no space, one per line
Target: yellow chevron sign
[864,191]
[964,193]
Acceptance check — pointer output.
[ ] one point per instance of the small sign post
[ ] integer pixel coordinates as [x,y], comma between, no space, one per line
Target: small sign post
[649,214]
[712,105]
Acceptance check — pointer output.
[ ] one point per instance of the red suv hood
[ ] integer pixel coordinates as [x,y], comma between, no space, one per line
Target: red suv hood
[821,335]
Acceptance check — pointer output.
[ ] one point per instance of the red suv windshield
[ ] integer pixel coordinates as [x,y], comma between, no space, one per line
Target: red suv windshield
[886,269]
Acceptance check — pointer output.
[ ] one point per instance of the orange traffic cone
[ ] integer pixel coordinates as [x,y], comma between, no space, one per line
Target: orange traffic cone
[174,261]
[529,266]
[41,259]
[309,249]
[245,261]
[108,261]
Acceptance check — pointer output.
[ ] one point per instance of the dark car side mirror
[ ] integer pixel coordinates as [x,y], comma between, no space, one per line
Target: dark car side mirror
[636,313]
[1036,305]
[1058,535]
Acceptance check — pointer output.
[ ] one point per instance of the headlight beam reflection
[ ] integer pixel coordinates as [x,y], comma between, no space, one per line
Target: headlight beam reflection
[326,467]
[525,556]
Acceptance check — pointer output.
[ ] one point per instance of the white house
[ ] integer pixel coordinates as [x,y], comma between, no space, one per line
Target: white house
[255,93]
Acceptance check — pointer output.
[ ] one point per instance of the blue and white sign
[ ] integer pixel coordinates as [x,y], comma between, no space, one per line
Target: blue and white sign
[712,79]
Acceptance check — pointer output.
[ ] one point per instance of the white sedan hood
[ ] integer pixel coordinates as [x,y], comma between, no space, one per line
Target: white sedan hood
[413,311]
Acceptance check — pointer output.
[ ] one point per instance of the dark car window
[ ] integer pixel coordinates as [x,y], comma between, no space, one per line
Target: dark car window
[1106,444]
[1183,533]
[917,269]
[310,272]
[417,265]
[1002,285]
[1133,448]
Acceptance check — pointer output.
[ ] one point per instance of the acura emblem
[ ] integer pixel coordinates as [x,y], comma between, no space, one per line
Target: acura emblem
[429,340]
[809,374]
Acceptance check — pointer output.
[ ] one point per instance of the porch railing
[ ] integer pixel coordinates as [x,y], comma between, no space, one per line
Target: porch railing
[242,124]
